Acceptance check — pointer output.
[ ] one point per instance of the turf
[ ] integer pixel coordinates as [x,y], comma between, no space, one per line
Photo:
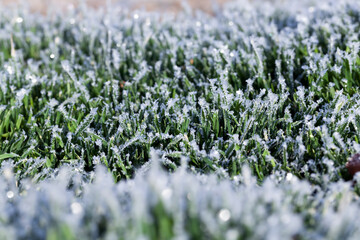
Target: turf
[232,126]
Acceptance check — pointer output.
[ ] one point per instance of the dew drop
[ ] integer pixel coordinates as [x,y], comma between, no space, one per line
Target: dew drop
[224,215]
[10,194]
[19,19]
[166,193]
[76,208]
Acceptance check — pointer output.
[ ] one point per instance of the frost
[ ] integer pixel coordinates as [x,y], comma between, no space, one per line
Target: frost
[236,121]
[21,94]
[68,69]
[53,103]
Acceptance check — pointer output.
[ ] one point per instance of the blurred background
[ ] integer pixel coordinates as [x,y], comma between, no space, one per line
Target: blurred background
[150,5]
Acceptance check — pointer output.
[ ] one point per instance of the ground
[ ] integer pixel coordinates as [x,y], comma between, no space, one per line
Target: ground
[155,5]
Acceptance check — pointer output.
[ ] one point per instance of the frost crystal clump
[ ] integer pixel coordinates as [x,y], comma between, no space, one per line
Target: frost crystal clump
[139,125]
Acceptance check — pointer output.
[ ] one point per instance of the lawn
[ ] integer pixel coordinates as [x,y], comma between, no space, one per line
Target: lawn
[136,125]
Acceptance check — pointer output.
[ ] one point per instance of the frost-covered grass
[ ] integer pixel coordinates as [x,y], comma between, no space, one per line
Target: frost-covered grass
[182,205]
[231,126]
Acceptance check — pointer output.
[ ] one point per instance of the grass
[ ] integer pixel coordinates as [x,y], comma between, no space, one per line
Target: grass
[246,103]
